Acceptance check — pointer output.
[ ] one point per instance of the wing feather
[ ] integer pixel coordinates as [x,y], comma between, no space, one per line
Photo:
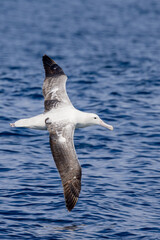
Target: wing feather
[54,86]
[64,154]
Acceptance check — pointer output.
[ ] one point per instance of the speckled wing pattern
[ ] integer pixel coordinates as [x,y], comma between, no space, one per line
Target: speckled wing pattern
[54,86]
[64,154]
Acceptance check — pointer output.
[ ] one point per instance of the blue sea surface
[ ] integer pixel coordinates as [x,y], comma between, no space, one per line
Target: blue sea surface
[110,51]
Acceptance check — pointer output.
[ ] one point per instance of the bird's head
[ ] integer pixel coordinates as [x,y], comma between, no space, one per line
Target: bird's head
[94,119]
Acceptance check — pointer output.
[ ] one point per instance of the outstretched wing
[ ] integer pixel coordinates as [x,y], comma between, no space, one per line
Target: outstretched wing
[64,154]
[54,86]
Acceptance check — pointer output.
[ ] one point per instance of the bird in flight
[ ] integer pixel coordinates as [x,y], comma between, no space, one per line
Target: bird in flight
[61,119]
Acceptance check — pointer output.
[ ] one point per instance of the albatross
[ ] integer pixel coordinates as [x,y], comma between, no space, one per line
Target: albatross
[61,119]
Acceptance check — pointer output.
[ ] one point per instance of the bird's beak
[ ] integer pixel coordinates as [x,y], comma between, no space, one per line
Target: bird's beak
[103,124]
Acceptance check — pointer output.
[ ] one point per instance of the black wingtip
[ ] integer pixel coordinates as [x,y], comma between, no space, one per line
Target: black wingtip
[47,60]
[71,193]
[51,68]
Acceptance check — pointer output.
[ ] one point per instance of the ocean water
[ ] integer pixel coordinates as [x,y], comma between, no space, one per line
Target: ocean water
[110,51]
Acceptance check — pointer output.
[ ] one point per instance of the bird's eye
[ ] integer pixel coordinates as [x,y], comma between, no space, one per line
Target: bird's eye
[95,117]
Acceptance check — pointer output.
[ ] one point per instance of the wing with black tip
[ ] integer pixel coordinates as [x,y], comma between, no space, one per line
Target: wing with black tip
[54,86]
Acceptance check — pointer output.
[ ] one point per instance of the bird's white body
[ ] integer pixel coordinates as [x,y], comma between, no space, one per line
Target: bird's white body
[68,114]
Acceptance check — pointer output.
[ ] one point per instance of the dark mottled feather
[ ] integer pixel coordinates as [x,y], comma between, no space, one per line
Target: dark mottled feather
[63,151]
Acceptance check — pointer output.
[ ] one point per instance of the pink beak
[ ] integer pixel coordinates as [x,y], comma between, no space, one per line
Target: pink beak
[103,124]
